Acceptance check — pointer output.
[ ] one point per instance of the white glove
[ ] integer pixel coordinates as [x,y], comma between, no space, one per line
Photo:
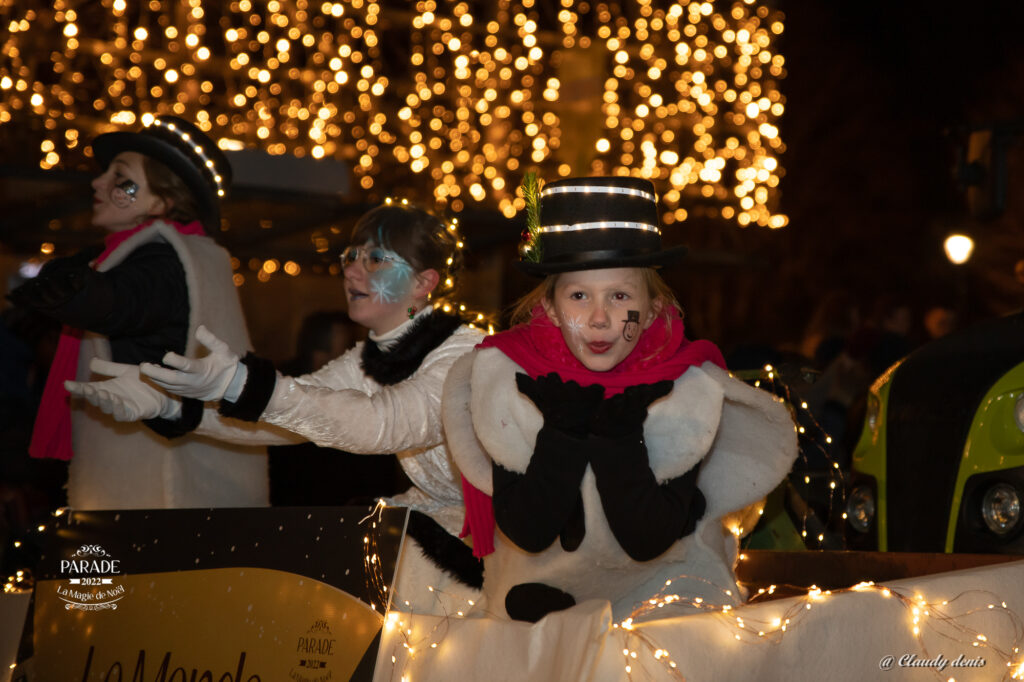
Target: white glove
[126,397]
[204,378]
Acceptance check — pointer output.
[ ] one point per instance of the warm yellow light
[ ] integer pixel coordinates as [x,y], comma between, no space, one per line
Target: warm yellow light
[958,248]
[477,105]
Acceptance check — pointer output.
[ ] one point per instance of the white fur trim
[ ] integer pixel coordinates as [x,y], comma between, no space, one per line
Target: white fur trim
[755,446]
[201,259]
[506,421]
[681,427]
[467,452]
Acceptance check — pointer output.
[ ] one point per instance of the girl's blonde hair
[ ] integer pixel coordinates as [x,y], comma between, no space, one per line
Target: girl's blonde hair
[657,289]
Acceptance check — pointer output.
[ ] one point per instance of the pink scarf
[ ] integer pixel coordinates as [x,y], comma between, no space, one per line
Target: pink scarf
[538,347]
[51,434]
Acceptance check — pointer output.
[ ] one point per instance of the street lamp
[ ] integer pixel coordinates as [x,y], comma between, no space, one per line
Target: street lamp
[958,248]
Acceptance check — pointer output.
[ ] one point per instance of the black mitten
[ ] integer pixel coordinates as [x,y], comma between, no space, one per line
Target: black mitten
[532,601]
[685,488]
[566,406]
[645,517]
[535,507]
[625,413]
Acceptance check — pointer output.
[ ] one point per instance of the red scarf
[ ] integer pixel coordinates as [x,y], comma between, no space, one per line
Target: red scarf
[539,348]
[51,434]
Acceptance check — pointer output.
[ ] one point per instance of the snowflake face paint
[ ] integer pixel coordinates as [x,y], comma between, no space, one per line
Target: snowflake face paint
[379,285]
[124,194]
[574,323]
[390,276]
[632,326]
[574,326]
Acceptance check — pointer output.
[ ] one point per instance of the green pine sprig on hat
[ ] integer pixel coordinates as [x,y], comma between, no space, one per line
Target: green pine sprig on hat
[529,245]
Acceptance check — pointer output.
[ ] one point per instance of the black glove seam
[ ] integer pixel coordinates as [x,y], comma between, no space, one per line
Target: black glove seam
[257,392]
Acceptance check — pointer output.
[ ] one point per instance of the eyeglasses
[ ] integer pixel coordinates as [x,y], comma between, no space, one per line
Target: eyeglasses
[373,258]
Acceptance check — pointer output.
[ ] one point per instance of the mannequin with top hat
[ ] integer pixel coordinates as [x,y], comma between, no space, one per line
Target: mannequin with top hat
[156,279]
[602,452]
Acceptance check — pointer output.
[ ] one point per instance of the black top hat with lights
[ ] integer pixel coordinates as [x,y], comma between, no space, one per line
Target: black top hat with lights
[592,223]
[183,148]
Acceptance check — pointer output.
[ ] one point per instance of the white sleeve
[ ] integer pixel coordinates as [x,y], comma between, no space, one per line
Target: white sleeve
[342,372]
[325,408]
[240,432]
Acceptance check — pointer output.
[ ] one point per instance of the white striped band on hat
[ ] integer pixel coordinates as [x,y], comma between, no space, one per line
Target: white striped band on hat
[196,149]
[597,189]
[602,224]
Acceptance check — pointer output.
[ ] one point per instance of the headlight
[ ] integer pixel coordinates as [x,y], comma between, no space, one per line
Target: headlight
[1018,412]
[860,508]
[1001,508]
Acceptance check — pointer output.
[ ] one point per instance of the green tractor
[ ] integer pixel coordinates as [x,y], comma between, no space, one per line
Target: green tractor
[939,466]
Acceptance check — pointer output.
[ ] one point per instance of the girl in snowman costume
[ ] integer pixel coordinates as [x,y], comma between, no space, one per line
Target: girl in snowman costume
[383,396]
[602,452]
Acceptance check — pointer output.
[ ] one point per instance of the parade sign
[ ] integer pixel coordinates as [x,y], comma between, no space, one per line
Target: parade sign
[225,595]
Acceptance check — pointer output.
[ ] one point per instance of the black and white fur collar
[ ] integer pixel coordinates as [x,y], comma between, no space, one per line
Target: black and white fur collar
[399,361]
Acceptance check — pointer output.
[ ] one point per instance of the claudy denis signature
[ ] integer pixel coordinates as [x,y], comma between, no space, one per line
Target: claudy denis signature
[939,663]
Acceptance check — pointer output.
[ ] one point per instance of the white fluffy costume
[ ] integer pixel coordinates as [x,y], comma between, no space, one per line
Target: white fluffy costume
[582,484]
[742,438]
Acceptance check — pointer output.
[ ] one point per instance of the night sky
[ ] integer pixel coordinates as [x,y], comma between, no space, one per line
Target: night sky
[878,97]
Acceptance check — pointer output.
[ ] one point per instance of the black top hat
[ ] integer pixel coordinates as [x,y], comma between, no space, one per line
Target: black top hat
[594,223]
[183,148]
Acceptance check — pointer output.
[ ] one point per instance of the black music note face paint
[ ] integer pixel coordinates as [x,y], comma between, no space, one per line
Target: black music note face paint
[123,194]
[632,326]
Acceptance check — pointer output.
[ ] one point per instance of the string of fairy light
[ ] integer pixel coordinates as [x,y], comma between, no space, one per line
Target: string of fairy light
[811,436]
[945,618]
[444,300]
[292,77]
[685,94]
[936,616]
